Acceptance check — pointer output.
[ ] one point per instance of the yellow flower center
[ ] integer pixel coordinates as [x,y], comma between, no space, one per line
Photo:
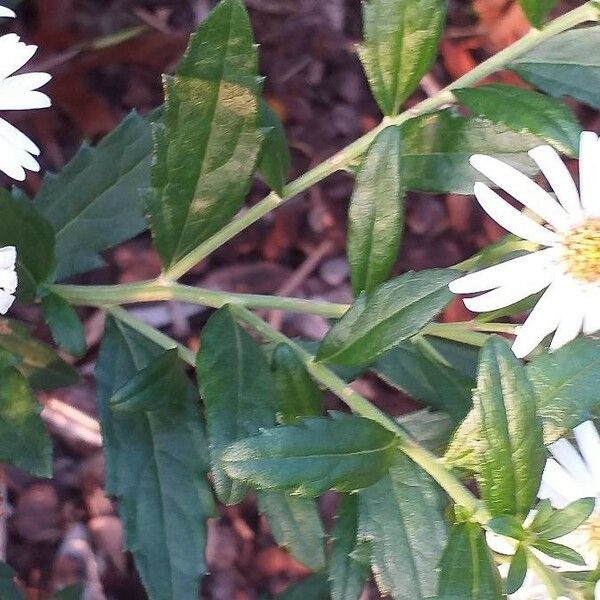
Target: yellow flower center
[581,251]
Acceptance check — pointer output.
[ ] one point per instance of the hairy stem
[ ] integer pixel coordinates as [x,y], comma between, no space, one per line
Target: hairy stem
[587,12]
[361,406]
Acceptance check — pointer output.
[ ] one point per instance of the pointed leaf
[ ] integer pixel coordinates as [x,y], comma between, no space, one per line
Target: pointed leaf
[559,552]
[296,525]
[401,40]
[410,369]
[298,394]
[155,465]
[568,64]
[207,148]
[537,10]
[94,202]
[275,161]
[38,362]
[65,326]
[436,149]
[468,571]
[24,441]
[347,575]
[508,526]
[376,213]
[238,393]
[395,311]
[525,111]
[565,520]
[502,436]
[517,570]
[402,517]
[153,387]
[25,228]
[345,453]
[567,386]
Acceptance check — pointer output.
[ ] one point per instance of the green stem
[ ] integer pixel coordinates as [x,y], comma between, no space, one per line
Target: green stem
[157,290]
[345,157]
[151,333]
[360,405]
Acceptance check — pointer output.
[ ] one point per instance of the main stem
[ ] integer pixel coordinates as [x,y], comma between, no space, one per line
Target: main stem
[587,12]
[361,406]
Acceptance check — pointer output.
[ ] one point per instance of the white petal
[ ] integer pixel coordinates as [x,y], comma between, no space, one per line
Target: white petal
[8,280]
[18,139]
[566,454]
[6,12]
[588,441]
[6,301]
[597,591]
[511,219]
[14,54]
[523,189]
[543,320]
[8,163]
[572,313]
[512,292]
[558,176]
[8,257]
[504,273]
[589,168]
[558,486]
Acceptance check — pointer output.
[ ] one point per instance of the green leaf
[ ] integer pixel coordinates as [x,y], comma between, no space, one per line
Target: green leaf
[64,324]
[567,385]
[401,40]
[315,587]
[299,395]
[430,429]
[437,148]
[525,111]
[502,436]
[376,213]
[94,203]
[238,393]
[517,570]
[537,10]
[508,526]
[413,371]
[25,228]
[207,149]
[155,465]
[568,64]
[275,161]
[559,552]
[460,357]
[347,575]
[24,441]
[402,517]
[152,387]
[296,525]
[468,570]
[38,362]
[563,521]
[395,311]
[8,588]
[344,453]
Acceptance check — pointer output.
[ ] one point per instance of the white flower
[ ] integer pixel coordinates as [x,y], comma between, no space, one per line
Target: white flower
[18,92]
[8,277]
[568,266]
[571,474]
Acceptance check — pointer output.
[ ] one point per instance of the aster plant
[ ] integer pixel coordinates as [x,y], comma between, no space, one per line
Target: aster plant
[491,489]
